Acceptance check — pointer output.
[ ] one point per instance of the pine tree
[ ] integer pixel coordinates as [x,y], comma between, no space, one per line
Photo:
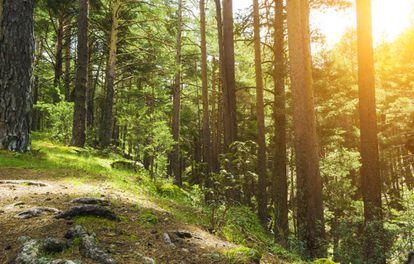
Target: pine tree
[310,216]
[16,58]
[81,82]
[370,170]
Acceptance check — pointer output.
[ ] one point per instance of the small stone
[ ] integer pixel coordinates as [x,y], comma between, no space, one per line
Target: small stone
[183,234]
[23,239]
[147,260]
[167,240]
[35,212]
[185,250]
[18,204]
[89,245]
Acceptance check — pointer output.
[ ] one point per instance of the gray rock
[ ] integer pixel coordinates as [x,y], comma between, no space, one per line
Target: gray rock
[183,234]
[89,246]
[30,252]
[36,211]
[147,260]
[167,240]
[63,261]
[88,210]
[88,200]
[20,182]
[34,251]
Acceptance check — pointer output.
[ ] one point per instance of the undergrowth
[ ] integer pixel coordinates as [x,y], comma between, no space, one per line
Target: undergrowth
[240,226]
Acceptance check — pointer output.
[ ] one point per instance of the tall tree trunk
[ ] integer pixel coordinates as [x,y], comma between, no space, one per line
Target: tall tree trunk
[81,82]
[91,91]
[309,184]
[107,109]
[370,174]
[229,89]
[261,134]
[207,149]
[280,182]
[58,58]
[16,58]
[67,78]
[222,82]
[175,155]
[215,120]
[36,114]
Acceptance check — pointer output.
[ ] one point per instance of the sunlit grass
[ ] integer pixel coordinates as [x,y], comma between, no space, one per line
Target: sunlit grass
[82,166]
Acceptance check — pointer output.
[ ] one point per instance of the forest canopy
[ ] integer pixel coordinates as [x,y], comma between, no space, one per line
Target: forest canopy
[249,104]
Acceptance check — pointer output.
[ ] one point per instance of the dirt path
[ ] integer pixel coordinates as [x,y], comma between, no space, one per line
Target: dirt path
[139,233]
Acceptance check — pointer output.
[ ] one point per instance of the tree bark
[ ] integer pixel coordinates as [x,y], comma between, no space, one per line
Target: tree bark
[90,114]
[280,182]
[222,82]
[370,174]
[261,135]
[81,82]
[67,77]
[229,89]
[215,117]
[175,155]
[16,59]
[107,108]
[58,59]
[207,146]
[309,185]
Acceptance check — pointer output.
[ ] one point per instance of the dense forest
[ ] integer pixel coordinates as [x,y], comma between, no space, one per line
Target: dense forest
[250,109]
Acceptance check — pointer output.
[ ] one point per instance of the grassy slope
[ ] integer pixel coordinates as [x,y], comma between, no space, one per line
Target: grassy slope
[74,165]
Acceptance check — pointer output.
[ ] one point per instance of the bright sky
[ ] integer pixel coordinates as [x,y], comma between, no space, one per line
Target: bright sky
[390,18]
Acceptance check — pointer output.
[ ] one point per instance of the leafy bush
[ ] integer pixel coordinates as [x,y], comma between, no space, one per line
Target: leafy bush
[148,218]
[57,119]
[324,261]
[167,189]
[243,255]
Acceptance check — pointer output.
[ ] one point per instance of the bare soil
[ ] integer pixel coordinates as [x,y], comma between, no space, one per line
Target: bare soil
[126,240]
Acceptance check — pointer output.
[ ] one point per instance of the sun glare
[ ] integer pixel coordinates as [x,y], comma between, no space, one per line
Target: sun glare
[390,18]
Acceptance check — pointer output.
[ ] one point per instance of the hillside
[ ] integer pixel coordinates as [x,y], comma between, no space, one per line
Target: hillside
[53,175]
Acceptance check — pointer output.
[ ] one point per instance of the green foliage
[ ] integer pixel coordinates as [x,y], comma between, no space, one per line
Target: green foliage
[237,176]
[324,261]
[148,218]
[170,190]
[402,229]
[242,255]
[93,223]
[57,119]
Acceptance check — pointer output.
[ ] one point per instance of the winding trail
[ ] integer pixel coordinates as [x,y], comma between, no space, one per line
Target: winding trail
[127,241]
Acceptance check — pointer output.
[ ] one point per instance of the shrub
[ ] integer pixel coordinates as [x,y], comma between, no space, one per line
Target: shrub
[57,119]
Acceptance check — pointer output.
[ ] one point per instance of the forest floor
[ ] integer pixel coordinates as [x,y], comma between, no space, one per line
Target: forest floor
[56,175]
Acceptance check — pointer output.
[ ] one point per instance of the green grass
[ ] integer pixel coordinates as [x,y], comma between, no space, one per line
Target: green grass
[242,255]
[92,223]
[79,166]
